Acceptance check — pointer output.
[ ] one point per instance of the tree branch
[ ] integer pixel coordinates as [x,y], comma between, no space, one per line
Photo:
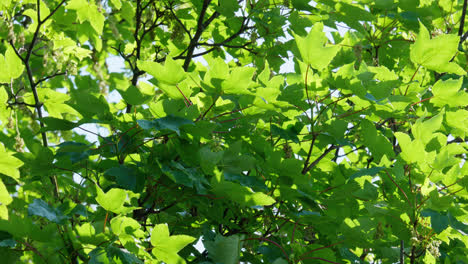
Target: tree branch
[316,161]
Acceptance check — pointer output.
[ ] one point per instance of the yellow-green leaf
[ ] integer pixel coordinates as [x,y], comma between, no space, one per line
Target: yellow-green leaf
[10,65]
[435,54]
[313,50]
[9,164]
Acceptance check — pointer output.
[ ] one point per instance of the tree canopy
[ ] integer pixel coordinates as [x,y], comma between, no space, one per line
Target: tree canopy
[205,148]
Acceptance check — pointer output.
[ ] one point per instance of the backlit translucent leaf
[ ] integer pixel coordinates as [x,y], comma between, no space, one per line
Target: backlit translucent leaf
[5,197]
[238,81]
[88,12]
[12,66]
[126,225]
[448,93]
[313,50]
[411,151]
[166,247]
[9,164]
[435,54]
[423,129]
[113,200]
[224,249]
[241,194]
[171,73]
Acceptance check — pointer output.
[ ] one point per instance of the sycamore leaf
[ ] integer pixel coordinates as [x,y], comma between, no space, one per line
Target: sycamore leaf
[5,199]
[435,54]
[10,65]
[88,12]
[40,208]
[113,200]
[171,73]
[9,164]
[448,93]
[53,124]
[313,50]
[126,225]
[166,247]
[123,255]
[241,194]
[411,151]
[224,249]
[238,81]
[425,130]
[169,122]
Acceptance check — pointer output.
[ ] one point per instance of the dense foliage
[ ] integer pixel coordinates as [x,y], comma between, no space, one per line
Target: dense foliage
[354,154]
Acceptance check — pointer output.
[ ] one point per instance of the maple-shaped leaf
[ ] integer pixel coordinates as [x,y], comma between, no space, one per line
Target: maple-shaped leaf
[166,247]
[9,164]
[435,54]
[171,73]
[88,12]
[449,92]
[313,50]
[11,66]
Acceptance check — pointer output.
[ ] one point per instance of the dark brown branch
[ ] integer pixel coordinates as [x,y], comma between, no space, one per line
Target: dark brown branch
[306,163]
[200,28]
[316,161]
[50,77]
[462,21]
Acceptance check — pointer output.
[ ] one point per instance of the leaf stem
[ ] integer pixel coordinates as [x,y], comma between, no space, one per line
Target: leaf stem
[412,78]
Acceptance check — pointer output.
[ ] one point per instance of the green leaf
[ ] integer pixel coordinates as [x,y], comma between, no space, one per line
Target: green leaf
[189,177]
[54,124]
[6,240]
[245,180]
[116,3]
[9,165]
[88,104]
[11,65]
[238,81]
[209,159]
[124,176]
[126,225]
[137,95]
[424,129]
[166,247]
[124,256]
[76,151]
[435,54]
[241,194]
[364,172]
[224,249]
[411,151]
[288,134]
[369,192]
[228,7]
[41,208]
[171,73]
[447,92]
[113,200]
[455,224]
[88,12]
[313,50]
[170,122]
[5,197]
[439,222]
[378,144]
